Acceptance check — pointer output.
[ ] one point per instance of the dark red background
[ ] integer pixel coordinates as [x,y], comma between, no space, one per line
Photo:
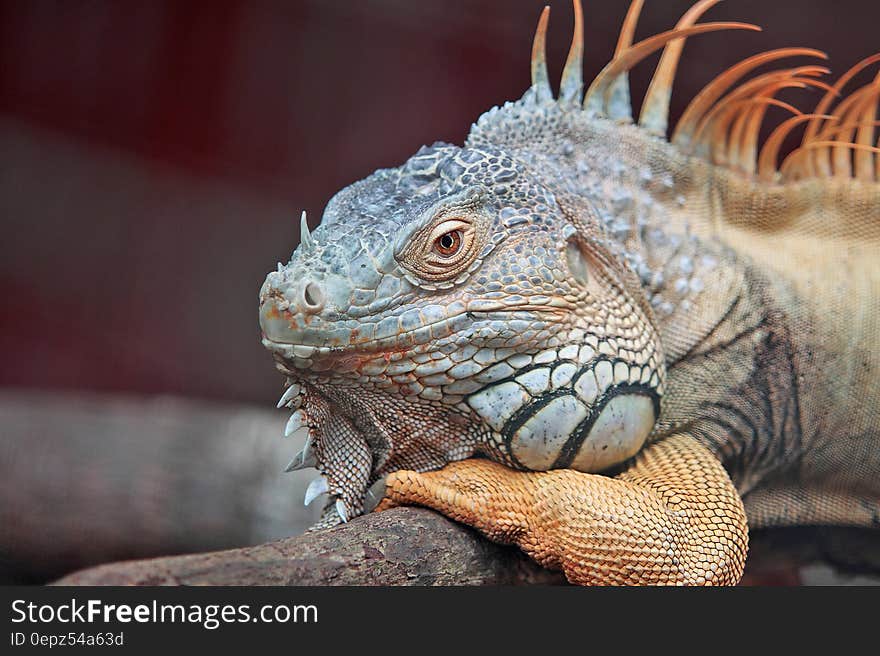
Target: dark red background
[155,156]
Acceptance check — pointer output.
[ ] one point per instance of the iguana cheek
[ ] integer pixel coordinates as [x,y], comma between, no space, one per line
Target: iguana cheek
[567,433]
[586,416]
[618,433]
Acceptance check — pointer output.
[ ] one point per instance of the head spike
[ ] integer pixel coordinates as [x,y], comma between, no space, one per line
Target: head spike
[540,78]
[620,104]
[572,85]
[655,108]
[305,237]
[602,85]
[628,29]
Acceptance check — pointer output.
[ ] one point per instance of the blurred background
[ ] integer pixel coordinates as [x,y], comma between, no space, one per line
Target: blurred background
[154,160]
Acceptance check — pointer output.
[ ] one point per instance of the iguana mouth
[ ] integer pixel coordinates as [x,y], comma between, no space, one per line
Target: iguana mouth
[580,407]
[284,335]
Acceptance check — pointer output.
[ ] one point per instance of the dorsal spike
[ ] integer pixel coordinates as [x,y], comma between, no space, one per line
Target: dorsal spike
[620,104]
[744,136]
[706,99]
[754,87]
[792,166]
[843,154]
[877,162]
[749,121]
[852,146]
[305,237]
[818,161]
[789,168]
[864,159]
[602,85]
[716,141]
[819,157]
[830,133]
[540,78]
[848,126]
[744,147]
[770,151]
[572,85]
[828,98]
[747,146]
[655,108]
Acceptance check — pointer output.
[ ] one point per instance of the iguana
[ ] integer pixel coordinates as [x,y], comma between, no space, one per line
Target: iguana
[617,350]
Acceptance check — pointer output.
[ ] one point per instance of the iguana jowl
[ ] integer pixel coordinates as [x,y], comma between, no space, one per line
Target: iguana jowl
[653,344]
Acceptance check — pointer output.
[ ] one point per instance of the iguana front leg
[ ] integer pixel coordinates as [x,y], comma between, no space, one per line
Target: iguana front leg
[672,518]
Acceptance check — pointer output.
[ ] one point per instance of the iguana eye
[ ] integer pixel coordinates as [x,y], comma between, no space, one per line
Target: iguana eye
[448,244]
[442,250]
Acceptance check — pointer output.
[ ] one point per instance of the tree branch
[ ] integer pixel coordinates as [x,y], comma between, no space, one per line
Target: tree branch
[402,546]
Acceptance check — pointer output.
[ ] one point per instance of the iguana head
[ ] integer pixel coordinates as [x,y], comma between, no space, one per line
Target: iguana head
[450,306]
[469,301]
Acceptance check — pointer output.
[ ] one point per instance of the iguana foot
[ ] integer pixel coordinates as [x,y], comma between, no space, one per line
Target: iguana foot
[673,517]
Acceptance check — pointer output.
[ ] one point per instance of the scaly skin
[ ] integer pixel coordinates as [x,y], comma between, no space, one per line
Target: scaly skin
[676,499]
[628,331]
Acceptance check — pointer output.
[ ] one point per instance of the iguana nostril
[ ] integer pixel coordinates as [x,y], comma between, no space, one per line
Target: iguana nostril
[312,297]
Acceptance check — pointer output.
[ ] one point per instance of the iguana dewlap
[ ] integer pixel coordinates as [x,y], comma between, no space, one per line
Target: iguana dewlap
[647,345]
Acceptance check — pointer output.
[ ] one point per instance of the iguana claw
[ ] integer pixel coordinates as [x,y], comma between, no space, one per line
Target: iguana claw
[374,494]
[340,509]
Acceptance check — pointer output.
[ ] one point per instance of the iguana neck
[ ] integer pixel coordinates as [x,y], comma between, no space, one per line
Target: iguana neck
[656,208]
